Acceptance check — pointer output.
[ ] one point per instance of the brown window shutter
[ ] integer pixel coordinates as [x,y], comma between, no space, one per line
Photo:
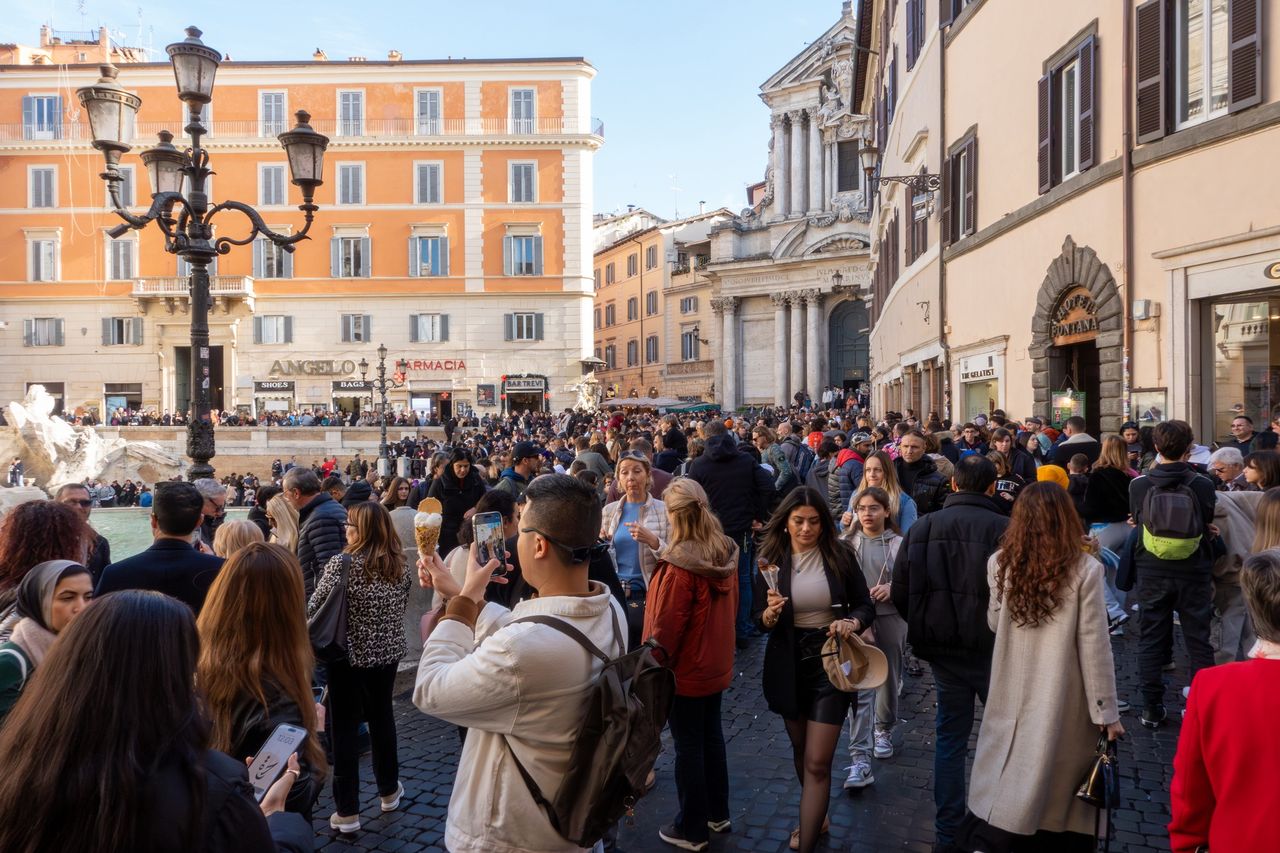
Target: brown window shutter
[911,33]
[1086,65]
[1244,59]
[1151,26]
[911,232]
[1044,133]
[946,12]
[948,231]
[971,187]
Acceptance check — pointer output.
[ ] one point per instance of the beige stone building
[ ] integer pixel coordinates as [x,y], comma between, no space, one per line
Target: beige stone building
[1111,238]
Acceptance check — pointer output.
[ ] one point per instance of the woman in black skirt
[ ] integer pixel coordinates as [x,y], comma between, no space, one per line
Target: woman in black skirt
[821,592]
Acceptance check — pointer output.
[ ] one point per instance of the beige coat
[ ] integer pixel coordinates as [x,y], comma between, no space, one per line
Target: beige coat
[1052,686]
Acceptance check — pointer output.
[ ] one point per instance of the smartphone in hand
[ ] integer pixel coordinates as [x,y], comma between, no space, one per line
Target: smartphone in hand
[490,543]
[273,757]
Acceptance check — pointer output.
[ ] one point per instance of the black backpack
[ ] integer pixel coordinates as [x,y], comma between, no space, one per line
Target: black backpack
[805,458]
[1172,523]
[618,740]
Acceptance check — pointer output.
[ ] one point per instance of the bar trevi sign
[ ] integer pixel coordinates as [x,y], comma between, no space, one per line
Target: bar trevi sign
[1075,320]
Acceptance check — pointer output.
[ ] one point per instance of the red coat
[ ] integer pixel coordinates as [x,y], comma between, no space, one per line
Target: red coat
[691,612]
[1225,792]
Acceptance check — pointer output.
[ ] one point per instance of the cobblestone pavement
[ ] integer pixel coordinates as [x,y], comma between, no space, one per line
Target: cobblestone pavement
[895,813]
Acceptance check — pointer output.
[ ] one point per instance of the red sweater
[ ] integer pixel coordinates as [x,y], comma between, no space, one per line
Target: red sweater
[691,613]
[1225,791]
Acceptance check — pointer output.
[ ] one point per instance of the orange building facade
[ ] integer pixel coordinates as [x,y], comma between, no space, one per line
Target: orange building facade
[453,228]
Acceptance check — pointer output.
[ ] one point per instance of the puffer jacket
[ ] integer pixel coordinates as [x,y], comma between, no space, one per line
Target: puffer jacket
[739,490]
[924,483]
[940,578]
[843,477]
[690,611]
[322,533]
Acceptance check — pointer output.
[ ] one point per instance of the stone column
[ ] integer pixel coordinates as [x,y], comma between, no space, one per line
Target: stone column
[727,306]
[817,198]
[813,343]
[797,178]
[781,391]
[797,344]
[781,165]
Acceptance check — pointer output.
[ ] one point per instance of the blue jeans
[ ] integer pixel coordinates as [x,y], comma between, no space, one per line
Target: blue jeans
[702,772]
[958,682]
[746,566]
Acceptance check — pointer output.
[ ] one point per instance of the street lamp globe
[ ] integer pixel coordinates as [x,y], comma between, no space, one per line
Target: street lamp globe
[869,155]
[194,67]
[165,164]
[305,149]
[364,368]
[382,352]
[113,114]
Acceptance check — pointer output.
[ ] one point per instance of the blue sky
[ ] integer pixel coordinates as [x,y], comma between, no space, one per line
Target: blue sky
[677,85]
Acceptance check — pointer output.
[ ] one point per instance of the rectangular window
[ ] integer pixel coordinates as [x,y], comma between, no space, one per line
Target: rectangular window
[121,331]
[522,255]
[633,353]
[633,308]
[915,30]
[609,276]
[1201,53]
[689,344]
[428,108]
[42,117]
[356,328]
[522,111]
[960,189]
[272,114]
[429,328]
[610,357]
[271,185]
[272,329]
[1069,119]
[651,257]
[427,183]
[597,316]
[633,264]
[1065,126]
[44,260]
[688,304]
[350,183]
[44,186]
[42,332]
[848,167]
[651,349]
[523,183]
[126,192]
[596,276]
[270,260]
[610,314]
[525,327]
[651,303]
[351,257]
[120,254]
[351,113]
[430,256]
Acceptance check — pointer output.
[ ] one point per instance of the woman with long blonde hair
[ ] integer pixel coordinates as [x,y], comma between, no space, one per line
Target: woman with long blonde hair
[692,606]
[233,535]
[878,473]
[283,518]
[360,687]
[256,662]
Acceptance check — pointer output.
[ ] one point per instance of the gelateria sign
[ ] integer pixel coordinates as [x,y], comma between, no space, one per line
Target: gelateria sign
[320,367]
[1075,320]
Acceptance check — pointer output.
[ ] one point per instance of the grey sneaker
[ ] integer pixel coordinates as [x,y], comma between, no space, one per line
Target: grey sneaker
[884,743]
[860,775]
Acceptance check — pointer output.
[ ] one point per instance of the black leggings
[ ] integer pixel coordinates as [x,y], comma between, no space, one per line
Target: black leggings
[358,694]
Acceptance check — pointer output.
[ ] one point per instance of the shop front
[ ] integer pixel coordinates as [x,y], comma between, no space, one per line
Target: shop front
[273,395]
[431,405]
[521,393]
[352,395]
[432,385]
[980,379]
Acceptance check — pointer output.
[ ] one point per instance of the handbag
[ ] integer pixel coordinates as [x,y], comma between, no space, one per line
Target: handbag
[1100,787]
[328,625]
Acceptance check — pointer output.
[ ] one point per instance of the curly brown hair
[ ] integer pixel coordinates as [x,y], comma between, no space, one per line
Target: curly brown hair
[1037,553]
[37,531]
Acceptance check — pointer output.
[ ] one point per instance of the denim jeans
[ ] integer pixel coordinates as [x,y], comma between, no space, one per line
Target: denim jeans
[958,682]
[1112,537]
[746,568]
[702,772]
[1158,598]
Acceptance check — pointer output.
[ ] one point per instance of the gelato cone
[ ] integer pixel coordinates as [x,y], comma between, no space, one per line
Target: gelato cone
[426,532]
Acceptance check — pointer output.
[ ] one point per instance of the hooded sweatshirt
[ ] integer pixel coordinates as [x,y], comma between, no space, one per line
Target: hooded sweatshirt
[690,611]
[875,557]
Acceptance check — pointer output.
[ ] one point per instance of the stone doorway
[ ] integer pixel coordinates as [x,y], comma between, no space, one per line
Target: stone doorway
[848,366]
[1077,334]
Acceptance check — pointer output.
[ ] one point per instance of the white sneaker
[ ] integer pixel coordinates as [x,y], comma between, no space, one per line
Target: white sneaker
[348,825]
[884,744]
[391,803]
[860,775]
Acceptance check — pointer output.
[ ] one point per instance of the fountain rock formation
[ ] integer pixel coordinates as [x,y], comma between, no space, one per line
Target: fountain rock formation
[54,452]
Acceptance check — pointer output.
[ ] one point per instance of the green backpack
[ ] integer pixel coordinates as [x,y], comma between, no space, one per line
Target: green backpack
[1172,524]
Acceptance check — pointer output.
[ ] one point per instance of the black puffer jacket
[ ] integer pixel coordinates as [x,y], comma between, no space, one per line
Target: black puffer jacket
[740,491]
[940,578]
[923,483]
[322,533]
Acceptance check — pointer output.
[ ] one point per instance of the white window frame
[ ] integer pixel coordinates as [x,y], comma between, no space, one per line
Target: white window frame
[633,264]
[688,305]
[42,235]
[286,266]
[633,353]
[651,297]
[341,124]
[689,344]
[344,241]
[35,325]
[611,314]
[277,324]
[515,125]
[125,327]
[524,326]
[1068,83]
[356,319]
[657,349]
[511,181]
[418,265]
[263,130]
[131,245]
[633,309]
[282,168]
[31,186]
[430,333]
[338,179]
[422,126]
[611,357]
[418,165]
[56,132]
[1180,54]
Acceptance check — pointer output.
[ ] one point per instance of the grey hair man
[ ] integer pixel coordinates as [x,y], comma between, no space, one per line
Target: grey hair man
[1227,467]
[215,508]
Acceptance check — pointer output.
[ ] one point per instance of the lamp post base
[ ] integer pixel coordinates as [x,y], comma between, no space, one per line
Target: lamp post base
[200,447]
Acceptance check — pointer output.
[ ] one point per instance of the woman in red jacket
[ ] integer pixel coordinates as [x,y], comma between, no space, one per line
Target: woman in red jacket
[1223,797]
[692,604]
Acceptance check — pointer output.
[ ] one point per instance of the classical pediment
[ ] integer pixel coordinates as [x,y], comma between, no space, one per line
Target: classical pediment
[816,62]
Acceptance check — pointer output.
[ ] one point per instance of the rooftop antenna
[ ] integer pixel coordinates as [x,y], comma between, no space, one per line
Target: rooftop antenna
[675,198]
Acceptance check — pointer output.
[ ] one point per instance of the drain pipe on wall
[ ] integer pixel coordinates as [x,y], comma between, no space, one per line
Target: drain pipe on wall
[942,226]
[1126,181]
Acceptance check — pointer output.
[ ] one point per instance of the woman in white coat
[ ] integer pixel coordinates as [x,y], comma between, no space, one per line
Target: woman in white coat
[1053,686]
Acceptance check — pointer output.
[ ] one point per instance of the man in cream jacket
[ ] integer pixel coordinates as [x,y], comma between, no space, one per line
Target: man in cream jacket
[521,687]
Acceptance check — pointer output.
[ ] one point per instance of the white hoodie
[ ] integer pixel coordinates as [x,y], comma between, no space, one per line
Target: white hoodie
[529,682]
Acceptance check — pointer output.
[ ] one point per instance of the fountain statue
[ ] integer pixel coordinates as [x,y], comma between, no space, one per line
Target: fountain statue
[54,452]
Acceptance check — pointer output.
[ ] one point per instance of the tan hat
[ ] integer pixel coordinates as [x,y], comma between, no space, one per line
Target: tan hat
[854,664]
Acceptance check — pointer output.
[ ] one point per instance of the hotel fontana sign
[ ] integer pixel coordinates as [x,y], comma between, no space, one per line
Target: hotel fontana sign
[346,367]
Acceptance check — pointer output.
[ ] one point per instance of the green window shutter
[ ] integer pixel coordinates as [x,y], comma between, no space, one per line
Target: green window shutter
[365,261]
[106,331]
[60,333]
[335,257]
[137,331]
[413,328]
[537,257]
[346,328]
[537,326]
[444,256]
[414,256]
[288,330]
[259,252]
[368,328]
[508,325]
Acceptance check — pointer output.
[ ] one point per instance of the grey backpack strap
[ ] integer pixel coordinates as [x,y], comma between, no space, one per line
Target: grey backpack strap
[569,631]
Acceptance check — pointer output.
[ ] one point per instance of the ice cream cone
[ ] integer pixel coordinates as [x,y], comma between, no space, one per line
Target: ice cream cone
[426,532]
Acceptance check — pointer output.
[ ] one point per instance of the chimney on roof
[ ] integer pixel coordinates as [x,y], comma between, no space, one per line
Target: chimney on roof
[46,35]
[394,55]
[319,56]
[702,207]
[104,38]
[630,208]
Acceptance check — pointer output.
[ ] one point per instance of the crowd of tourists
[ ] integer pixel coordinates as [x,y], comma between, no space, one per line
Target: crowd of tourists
[1001,555]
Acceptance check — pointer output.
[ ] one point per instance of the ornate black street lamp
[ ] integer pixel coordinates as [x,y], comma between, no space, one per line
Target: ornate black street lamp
[382,385]
[922,183]
[180,204]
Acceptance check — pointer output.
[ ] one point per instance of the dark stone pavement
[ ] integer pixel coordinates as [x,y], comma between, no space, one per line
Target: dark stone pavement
[895,813]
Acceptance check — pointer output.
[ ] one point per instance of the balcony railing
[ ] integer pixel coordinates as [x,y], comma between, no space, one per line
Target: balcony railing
[338,130]
[219,285]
